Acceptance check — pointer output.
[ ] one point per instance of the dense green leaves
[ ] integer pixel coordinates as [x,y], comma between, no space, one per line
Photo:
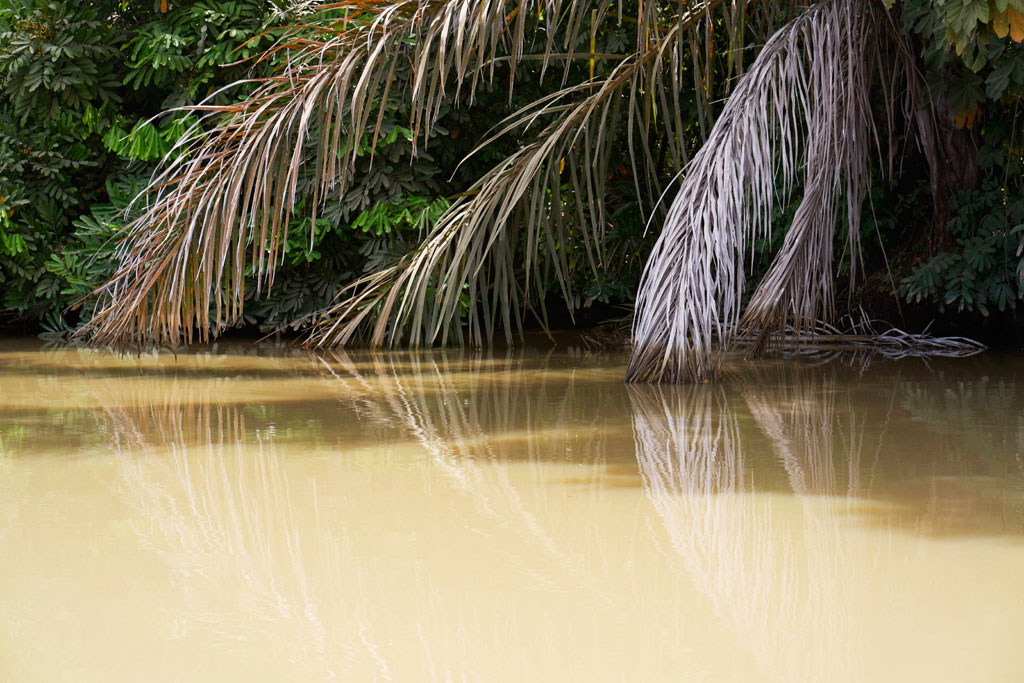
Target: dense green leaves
[52,60]
[975,57]
[984,270]
[972,49]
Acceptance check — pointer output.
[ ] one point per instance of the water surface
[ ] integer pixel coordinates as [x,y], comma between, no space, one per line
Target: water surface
[253,514]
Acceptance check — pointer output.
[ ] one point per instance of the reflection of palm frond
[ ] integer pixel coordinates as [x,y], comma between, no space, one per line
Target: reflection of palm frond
[797,411]
[223,513]
[770,575]
[220,506]
[807,90]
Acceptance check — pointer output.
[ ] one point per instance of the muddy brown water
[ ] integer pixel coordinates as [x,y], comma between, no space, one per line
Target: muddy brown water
[254,514]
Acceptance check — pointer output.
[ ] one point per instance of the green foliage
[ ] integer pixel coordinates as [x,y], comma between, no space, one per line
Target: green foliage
[45,181]
[985,270]
[972,50]
[401,213]
[147,141]
[184,52]
[87,260]
[82,86]
[299,291]
[54,59]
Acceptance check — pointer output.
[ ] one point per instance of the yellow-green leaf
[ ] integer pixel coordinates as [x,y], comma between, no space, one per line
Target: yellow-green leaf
[1001,25]
[1016,21]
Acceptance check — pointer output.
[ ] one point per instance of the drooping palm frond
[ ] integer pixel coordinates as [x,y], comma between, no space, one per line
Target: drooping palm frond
[516,209]
[801,112]
[230,188]
[221,203]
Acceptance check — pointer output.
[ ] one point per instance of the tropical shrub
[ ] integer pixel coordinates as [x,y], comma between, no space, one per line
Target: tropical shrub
[77,86]
[983,268]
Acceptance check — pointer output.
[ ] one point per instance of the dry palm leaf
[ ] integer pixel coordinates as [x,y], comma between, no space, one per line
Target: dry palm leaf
[801,112]
[221,203]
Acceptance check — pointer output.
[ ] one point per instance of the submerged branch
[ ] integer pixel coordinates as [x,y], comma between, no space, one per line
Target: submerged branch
[893,344]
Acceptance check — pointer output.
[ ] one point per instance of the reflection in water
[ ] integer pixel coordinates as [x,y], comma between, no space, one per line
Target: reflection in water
[461,516]
[790,585]
[780,580]
[219,510]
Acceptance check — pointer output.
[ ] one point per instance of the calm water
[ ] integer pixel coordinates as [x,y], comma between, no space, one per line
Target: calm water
[250,515]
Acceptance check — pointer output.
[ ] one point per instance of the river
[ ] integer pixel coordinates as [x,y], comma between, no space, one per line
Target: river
[252,513]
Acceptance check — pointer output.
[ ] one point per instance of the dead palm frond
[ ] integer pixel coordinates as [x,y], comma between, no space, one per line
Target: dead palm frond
[231,188]
[515,210]
[222,201]
[800,115]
